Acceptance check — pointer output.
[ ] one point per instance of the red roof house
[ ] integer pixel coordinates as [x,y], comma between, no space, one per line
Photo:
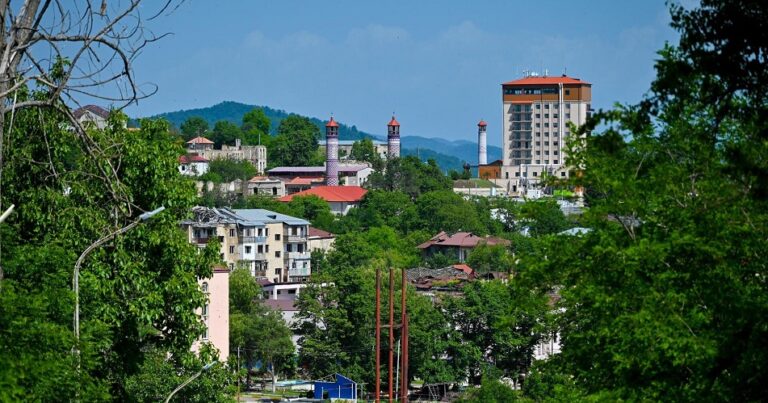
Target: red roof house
[458,244]
[340,198]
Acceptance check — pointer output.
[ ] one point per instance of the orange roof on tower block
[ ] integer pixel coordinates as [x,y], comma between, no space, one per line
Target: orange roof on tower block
[393,122]
[331,193]
[482,123]
[546,81]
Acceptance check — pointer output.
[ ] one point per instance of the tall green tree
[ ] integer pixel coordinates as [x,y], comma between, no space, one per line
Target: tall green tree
[194,126]
[364,150]
[295,143]
[666,299]
[225,132]
[138,292]
[256,127]
[410,176]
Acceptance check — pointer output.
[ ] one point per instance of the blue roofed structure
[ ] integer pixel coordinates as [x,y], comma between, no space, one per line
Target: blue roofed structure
[341,388]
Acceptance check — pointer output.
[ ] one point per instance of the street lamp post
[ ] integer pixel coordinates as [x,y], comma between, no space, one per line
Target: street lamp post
[188,381]
[76,277]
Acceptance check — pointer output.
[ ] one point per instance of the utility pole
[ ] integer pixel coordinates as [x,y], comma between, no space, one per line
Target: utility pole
[404,338]
[391,328]
[238,374]
[377,389]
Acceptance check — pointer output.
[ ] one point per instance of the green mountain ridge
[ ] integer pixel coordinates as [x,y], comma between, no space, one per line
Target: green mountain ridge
[448,154]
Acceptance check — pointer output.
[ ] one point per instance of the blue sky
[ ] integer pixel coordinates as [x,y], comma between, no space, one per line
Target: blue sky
[437,64]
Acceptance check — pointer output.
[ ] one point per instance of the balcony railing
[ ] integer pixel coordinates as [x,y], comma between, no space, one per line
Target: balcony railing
[299,255]
[254,256]
[297,238]
[253,239]
[299,272]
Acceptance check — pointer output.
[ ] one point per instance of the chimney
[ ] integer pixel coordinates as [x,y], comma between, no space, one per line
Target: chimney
[332,153]
[482,146]
[393,139]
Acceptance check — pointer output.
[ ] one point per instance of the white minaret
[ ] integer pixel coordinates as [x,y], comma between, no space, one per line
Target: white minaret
[393,139]
[482,146]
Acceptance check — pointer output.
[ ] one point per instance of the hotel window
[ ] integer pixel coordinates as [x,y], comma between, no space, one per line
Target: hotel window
[231,249]
[538,106]
[546,124]
[555,115]
[555,143]
[555,152]
[538,152]
[546,152]
[554,124]
[546,115]
[538,116]
[538,124]
[546,106]
[538,143]
[567,115]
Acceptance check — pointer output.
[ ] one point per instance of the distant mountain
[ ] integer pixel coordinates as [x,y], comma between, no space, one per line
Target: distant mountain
[234,112]
[448,154]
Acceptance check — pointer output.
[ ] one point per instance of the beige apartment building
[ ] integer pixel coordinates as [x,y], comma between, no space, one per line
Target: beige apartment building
[270,245]
[536,113]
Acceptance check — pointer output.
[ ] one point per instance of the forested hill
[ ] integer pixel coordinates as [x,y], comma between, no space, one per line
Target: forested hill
[448,154]
[234,111]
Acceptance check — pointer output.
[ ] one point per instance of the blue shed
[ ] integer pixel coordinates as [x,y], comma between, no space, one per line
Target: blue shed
[341,388]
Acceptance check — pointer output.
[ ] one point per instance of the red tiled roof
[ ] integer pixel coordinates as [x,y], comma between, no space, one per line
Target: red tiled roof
[393,122]
[303,181]
[199,140]
[482,123]
[546,80]
[463,267]
[462,239]
[186,159]
[332,123]
[318,233]
[331,193]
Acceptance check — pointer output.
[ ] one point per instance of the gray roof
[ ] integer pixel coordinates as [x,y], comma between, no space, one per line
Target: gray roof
[247,217]
[267,216]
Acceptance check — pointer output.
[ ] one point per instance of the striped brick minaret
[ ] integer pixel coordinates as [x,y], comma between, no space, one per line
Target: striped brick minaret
[482,146]
[393,139]
[332,153]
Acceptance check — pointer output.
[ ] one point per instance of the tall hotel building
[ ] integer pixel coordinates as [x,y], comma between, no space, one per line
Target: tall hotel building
[535,116]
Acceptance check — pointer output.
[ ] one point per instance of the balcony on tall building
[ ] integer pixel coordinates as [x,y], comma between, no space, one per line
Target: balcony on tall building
[299,255]
[299,272]
[253,239]
[296,238]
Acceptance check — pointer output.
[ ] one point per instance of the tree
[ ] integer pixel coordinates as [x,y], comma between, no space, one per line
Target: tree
[447,211]
[194,126]
[225,132]
[410,176]
[364,150]
[664,299]
[224,170]
[295,143]
[255,127]
[260,332]
[543,217]
[313,209]
[138,292]
[487,258]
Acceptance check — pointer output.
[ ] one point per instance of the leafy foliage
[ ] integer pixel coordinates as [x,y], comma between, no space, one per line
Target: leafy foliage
[295,143]
[194,126]
[222,170]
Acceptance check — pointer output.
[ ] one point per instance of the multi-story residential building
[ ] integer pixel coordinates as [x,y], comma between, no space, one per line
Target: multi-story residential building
[215,312]
[536,113]
[256,155]
[271,245]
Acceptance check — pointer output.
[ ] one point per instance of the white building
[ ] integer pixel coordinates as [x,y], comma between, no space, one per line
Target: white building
[193,165]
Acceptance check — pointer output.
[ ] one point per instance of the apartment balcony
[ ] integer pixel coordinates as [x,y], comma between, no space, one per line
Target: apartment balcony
[299,255]
[296,238]
[253,239]
[205,240]
[299,272]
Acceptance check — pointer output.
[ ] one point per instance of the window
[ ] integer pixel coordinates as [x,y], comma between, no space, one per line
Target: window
[538,106]
[538,153]
[204,287]
[562,173]
[277,237]
[248,249]
[554,143]
[554,162]
[231,232]
[546,143]
[260,249]
[538,124]
[567,106]
[546,115]
[231,249]
[266,249]
[278,271]
[546,124]
[555,152]
[546,152]
[535,174]
[538,162]
[567,92]
[517,174]
[538,143]
[567,115]
[554,124]
[277,253]
[538,116]
[555,115]
[546,106]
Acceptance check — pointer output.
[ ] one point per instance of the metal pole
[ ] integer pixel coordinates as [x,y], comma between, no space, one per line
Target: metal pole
[391,328]
[404,341]
[377,388]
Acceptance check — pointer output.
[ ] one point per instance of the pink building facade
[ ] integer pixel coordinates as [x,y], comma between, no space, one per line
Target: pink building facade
[215,314]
